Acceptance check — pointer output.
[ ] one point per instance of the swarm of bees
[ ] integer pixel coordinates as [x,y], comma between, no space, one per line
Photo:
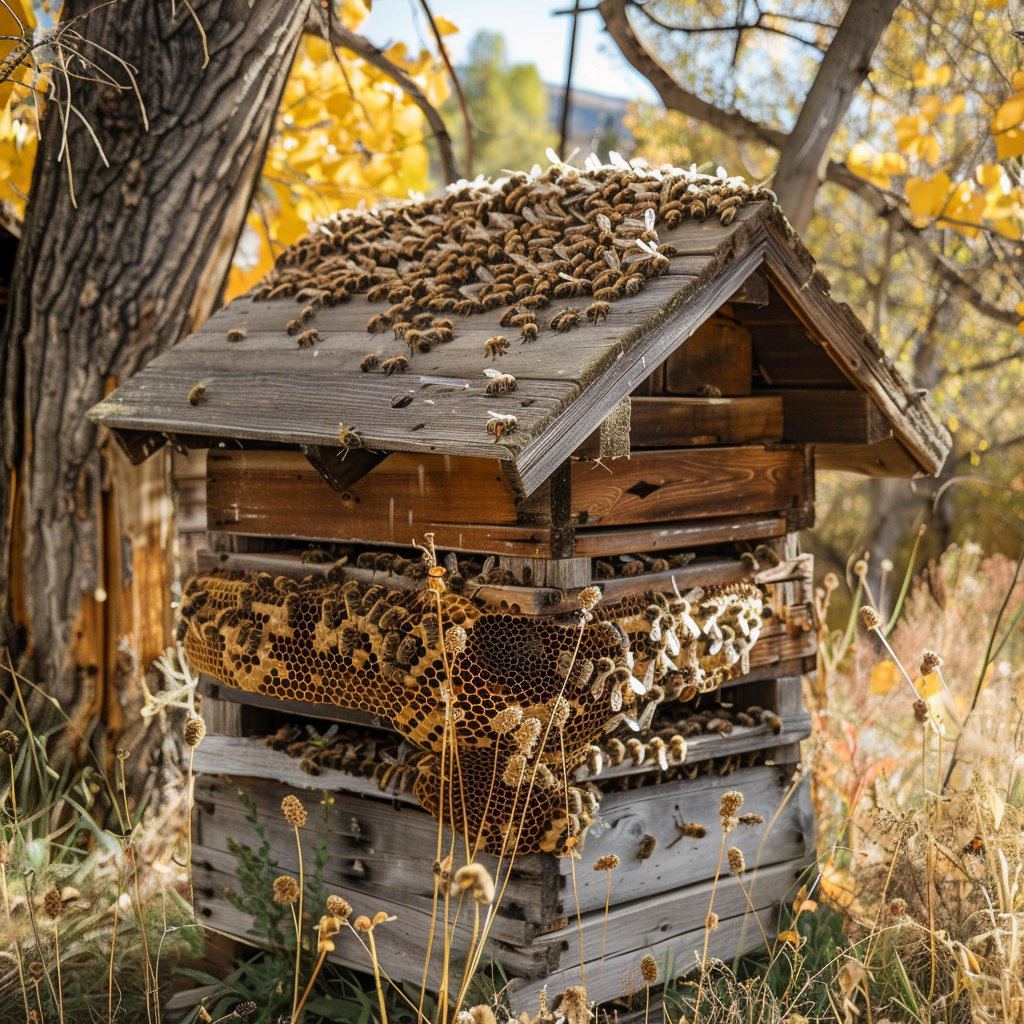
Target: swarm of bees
[518,243]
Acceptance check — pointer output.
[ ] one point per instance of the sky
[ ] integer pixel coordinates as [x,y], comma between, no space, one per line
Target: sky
[532,33]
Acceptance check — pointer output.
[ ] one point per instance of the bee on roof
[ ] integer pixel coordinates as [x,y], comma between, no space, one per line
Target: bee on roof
[529,332]
[565,320]
[307,339]
[499,383]
[495,347]
[197,394]
[597,311]
[236,334]
[348,439]
[397,364]
[369,362]
[500,424]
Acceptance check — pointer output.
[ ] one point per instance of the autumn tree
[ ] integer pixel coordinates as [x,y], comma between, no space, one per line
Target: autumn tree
[158,125]
[909,125]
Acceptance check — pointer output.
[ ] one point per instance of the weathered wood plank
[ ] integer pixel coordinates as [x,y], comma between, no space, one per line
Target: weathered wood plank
[832,417]
[718,354]
[688,483]
[678,422]
[886,458]
[601,542]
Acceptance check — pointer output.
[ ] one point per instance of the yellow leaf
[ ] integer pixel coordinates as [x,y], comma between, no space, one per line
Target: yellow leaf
[1019,309]
[928,196]
[808,907]
[883,678]
[444,26]
[998,806]
[931,107]
[1010,114]
[964,209]
[988,175]
[790,936]
[1009,144]
[925,77]
[955,106]
[909,128]
[1020,327]
[1017,82]
[877,167]
[926,148]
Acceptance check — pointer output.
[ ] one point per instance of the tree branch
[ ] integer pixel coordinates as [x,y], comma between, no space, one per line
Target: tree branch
[339,36]
[672,94]
[885,206]
[840,75]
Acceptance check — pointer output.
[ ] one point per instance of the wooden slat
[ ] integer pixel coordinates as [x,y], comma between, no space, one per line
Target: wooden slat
[818,416]
[688,483]
[718,354]
[886,458]
[600,542]
[679,422]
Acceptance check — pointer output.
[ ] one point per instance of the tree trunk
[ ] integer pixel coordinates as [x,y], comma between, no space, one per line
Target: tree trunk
[100,289]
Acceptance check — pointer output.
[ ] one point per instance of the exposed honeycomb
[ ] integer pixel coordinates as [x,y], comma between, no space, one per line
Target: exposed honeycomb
[381,651]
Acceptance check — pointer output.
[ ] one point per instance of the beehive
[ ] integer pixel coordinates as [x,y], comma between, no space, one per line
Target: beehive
[619,378]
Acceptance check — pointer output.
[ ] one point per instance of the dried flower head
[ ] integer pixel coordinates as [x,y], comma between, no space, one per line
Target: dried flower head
[897,907]
[737,865]
[573,1007]
[362,923]
[36,970]
[750,820]
[606,862]
[860,568]
[122,754]
[527,735]
[930,661]
[53,905]
[455,640]
[870,618]
[921,710]
[711,921]
[649,969]
[328,927]
[589,598]
[9,743]
[246,1010]
[195,730]
[514,771]
[730,803]
[286,890]
[380,917]
[830,582]
[476,880]
[339,908]
[482,1014]
[293,811]
[507,719]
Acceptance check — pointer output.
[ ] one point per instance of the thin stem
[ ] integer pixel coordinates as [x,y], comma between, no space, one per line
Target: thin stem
[188,819]
[140,909]
[607,907]
[572,856]
[309,984]
[376,979]
[707,929]
[16,941]
[298,925]
[60,990]
[113,941]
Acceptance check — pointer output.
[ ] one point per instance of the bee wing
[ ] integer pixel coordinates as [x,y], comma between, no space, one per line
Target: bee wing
[603,222]
[566,277]
[612,259]
[552,156]
[562,251]
[649,219]
[488,372]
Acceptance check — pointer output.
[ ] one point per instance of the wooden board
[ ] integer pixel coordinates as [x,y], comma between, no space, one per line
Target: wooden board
[688,484]
[832,417]
[679,422]
[718,354]
[600,542]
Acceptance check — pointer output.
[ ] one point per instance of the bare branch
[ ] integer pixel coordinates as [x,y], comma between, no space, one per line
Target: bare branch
[672,94]
[886,206]
[740,27]
[339,36]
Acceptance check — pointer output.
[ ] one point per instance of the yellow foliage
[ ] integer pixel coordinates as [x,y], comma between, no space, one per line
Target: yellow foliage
[928,195]
[883,678]
[965,208]
[866,162]
[926,77]
[931,108]
[1010,114]
[927,686]
[909,128]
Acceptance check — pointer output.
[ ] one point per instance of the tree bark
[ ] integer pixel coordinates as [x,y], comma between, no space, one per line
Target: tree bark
[100,289]
[840,75]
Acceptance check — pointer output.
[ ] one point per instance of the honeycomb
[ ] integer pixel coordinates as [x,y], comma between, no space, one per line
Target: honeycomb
[506,714]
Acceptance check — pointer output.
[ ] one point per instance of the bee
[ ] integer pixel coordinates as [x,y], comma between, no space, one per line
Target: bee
[499,383]
[443,330]
[421,321]
[369,362]
[466,306]
[379,292]
[306,314]
[647,845]
[293,326]
[565,320]
[597,311]
[416,340]
[307,339]
[399,294]
[500,424]
[253,638]
[197,394]
[400,328]
[348,439]
[378,323]
[236,334]
[708,391]
[976,847]
[538,301]
[397,364]
[508,318]
[529,332]
[495,347]
[772,720]
[441,304]
[607,294]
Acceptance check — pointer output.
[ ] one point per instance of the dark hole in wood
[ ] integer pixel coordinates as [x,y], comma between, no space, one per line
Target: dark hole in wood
[642,489]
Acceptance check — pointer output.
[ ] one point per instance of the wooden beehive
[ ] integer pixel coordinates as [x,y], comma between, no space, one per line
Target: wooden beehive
[663,449]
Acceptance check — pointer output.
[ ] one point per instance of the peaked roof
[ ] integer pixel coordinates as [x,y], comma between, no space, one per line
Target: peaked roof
[565,237]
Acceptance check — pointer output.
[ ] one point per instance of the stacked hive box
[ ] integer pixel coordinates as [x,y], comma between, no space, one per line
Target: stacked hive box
[661,447]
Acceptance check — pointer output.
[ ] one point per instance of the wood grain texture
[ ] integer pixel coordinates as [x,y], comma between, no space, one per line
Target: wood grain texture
[718,354]
[679,422]
[688,484]
[819,416]
[604,541]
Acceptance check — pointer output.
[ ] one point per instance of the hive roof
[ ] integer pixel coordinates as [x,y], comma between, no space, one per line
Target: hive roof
[664,248]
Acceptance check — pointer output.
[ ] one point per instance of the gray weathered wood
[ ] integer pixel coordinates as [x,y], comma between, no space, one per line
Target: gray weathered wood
[677,422]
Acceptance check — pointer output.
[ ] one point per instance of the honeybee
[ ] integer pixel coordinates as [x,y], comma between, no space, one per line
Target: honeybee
[306,314]
[537,301]
[378,292]
[293,326]
[495,347]
[378,323]
[421,321]
[607,294]
[499,383]
[443,330]
[500,424]
[647,845]
[529,332]
[348,439]
[396,364]
[416,340]
[400,328]
[708,391]
[307,339]
[465,307]
[597,311]
[634,284]
[369,362]
[236,334]
[509,316]
[197,394]
[565,320]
